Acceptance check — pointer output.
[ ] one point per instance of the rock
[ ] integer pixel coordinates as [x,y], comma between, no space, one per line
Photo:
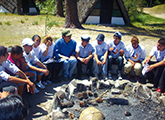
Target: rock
[99,100]
[85,95]
[80,96]
[91,113]
[128,88]
[115,91]
[60,94]
[92,102]
[89,93]
[163,99]
[95,95]
[83,103]
[57,114]
[127,113]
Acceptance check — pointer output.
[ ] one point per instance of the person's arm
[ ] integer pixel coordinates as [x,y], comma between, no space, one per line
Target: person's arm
[161,63]
[44,71]
[86,60]
[45,53]
[97,60]
[148,59]
[105,57]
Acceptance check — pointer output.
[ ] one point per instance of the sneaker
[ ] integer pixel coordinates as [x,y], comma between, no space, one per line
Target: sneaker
[95,75]
[44,83]
[159,90]
[40,85]
[109,76]
[49,82]
[36,90]
[119,76]
[105,77]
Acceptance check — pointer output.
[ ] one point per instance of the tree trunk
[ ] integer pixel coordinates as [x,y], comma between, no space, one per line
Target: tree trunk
[19,12]
[59,10]
[71,17]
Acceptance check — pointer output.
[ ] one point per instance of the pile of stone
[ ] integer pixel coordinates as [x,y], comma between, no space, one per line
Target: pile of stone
[118,99]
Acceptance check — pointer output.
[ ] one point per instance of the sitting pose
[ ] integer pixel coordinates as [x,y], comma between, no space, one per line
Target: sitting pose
[156,68]
[7,74]
[84,56]
[64,50]
[116,50]
[134,55]
[100,56]
[32,60]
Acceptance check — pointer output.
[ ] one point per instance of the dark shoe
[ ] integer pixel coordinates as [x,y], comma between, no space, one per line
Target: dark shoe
[79,77]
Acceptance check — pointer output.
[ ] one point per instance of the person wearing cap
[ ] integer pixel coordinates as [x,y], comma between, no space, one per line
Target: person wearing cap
[34,64]
[7,72]
[84,55]
[100,56]
[116,50]
[64,50]
[156,69]
[134,54]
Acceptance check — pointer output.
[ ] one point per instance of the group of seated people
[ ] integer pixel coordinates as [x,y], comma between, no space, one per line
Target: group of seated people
[38,65]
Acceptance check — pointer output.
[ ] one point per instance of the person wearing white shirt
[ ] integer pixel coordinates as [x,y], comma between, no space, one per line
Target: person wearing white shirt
[100,56]
[135,54]
[47,57]
[31,59]
[116,50]
[36,46]
[156,68]
[84,55]
[7,72]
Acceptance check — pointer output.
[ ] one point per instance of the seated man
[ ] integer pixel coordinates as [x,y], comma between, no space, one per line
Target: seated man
[64,50]
[7,69]
[156,68]
[134,55]
[32,60]
[84,56]
[100,57]
[116,50]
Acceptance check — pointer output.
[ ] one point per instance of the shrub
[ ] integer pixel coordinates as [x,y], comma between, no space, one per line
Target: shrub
[7,23]
[35,23]
[0,23]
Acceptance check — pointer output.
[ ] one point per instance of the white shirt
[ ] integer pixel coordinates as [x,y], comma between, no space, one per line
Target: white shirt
[50,51]
[135,54]
[116,52]
[37,51]
[9,66]
[100,49]
[84,51]
[30,58]
[160,55]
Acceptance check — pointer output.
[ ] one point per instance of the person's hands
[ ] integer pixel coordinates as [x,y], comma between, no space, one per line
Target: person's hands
[31,87]
[99,62]
[150,68]
[86,60]
[146,60]
[104,61]
[111,49]
[121,52]
[45,72]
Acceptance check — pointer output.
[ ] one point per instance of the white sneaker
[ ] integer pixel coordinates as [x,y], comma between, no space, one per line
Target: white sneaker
[95,74]
[40,85]
[48,81]
[36,90]
[119,76]
[109,76]
[105,77]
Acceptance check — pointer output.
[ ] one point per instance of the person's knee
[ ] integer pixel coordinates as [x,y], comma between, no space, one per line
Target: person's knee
[110,57]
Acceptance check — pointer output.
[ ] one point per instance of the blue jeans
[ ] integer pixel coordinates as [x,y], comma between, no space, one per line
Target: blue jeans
[68,67]
[119,61]
[103,67]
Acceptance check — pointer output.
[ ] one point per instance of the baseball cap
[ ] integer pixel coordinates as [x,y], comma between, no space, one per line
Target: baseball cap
[85,37]
[27,41]
[100,37]
[3,50]
[66,33]
[117,34]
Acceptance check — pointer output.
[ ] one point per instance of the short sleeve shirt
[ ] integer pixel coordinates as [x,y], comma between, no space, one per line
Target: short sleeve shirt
[100,49]
[37,51]
[50,51]
[30,58]
[84,51]
[7,66]
[160,55]
[115,53]
[135,54]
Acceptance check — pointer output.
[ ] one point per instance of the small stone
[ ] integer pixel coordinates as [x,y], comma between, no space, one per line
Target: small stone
[127,113]
[85,95]
[89,93]
[95,95]
[80,96]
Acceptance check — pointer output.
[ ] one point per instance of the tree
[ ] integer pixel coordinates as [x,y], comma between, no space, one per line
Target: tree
[59,9]
[71,15]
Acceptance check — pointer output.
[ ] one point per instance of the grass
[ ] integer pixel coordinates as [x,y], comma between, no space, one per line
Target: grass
[14,28]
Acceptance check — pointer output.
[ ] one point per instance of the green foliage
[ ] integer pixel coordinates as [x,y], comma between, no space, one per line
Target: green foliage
[35,23]
[22,21]
[7,23]
[0,23]
[26,18]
